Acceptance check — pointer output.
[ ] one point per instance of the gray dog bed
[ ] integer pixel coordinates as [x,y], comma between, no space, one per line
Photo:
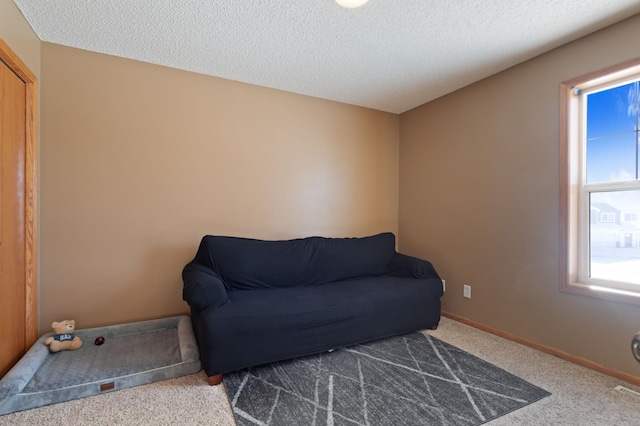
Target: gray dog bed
[132,354]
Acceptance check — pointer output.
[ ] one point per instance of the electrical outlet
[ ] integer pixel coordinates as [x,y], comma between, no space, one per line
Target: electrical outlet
[444,286]
[467,291]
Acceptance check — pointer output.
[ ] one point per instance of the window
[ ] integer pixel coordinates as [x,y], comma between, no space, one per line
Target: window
[606,217]
[600,187]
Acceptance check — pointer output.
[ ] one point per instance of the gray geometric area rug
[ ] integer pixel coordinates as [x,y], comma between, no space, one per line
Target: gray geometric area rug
[414,379]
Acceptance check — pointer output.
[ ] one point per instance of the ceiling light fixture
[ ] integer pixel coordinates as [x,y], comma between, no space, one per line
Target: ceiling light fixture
[351,4]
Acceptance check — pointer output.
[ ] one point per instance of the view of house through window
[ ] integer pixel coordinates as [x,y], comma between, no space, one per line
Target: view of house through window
[609,199]
[614,236]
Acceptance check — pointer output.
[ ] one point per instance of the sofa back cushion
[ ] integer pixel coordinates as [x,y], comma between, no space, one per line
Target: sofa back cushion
[245,263]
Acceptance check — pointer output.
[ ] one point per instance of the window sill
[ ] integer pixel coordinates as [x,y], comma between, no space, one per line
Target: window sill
[602,293]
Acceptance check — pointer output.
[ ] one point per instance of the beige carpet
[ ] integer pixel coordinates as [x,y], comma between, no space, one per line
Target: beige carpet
[579,396]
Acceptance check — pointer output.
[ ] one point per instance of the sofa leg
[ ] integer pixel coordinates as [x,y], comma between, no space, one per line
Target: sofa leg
[215,380]
[435,327]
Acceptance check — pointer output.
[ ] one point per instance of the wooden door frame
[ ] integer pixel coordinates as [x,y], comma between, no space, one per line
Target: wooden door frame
[31,189]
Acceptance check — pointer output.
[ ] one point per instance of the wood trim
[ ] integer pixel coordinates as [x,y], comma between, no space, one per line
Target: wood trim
[31,189]
[634,380]
[567,261]
[602,72]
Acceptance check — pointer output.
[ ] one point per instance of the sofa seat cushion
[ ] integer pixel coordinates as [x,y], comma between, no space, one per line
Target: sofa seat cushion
[246,263]
[283,323]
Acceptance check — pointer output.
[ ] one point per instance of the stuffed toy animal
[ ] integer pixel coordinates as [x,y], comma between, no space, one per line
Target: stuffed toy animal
[64,338]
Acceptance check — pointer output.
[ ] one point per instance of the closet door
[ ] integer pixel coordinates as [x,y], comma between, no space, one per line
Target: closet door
[17,260]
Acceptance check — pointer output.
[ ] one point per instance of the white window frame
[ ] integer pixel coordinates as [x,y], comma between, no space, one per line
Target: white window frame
[574,191]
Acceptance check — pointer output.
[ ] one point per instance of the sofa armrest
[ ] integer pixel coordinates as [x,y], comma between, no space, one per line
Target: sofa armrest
[407,266]
[202,289]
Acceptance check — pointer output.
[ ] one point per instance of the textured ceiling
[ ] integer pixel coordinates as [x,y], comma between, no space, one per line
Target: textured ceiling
[390,55]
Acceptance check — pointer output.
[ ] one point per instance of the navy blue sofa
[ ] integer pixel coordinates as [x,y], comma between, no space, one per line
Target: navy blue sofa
[254,301]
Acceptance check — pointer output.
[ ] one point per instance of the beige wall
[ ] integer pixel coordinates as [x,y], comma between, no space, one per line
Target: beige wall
[479,196]
[140,161]
[17,33]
